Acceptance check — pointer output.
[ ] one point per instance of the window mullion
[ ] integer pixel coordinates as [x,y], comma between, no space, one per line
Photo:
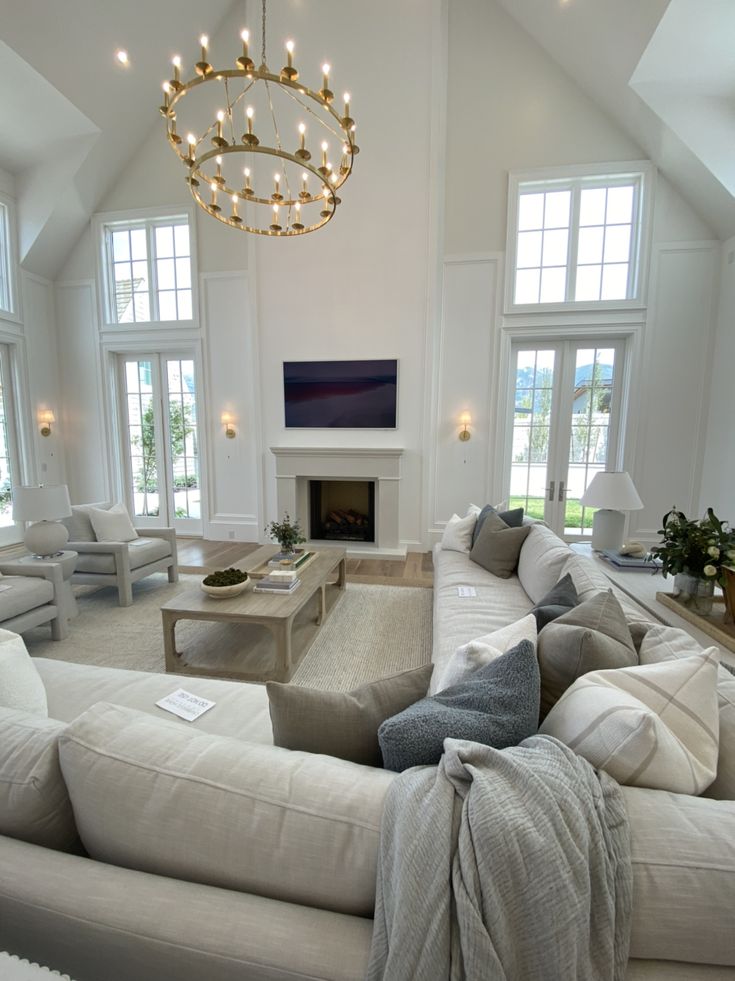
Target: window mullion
[152,271]
[573,243]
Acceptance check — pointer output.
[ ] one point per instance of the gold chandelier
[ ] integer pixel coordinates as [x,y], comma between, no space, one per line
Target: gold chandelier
[282,189]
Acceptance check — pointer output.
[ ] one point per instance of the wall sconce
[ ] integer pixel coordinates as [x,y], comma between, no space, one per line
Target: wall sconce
[45,418]
[228,423]
[465,420]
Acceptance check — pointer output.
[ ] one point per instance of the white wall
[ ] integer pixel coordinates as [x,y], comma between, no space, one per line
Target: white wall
[365,285]
[510,107]
[718,470]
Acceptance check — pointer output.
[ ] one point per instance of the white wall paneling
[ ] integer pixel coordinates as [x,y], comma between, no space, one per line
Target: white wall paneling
[466,381]
[674,383]
[232,471]
[84,420]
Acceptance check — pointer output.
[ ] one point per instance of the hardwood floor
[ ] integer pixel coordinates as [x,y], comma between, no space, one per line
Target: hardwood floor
[417,569]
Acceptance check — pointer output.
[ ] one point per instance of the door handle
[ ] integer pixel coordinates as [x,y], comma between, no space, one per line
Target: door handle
[550,489]
[562,492]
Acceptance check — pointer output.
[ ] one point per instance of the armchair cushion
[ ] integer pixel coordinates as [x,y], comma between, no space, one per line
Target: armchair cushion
[79,526]
[141,552]
[25,593]
[112,524]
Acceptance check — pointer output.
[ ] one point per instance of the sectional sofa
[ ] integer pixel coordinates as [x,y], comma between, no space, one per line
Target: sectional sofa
[155,849]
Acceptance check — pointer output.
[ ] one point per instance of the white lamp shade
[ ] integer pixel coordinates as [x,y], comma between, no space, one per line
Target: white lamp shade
[48,503]
[612,490]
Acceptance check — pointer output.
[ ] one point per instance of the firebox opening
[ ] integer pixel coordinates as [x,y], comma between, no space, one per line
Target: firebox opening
[342,510]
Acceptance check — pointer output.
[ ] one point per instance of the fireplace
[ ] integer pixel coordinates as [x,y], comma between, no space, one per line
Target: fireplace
[298,466]
[342,510]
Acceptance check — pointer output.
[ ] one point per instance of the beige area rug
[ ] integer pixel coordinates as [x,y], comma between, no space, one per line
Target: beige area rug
[373,631]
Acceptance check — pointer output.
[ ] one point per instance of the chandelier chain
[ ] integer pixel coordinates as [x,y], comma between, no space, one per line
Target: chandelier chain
[262,50]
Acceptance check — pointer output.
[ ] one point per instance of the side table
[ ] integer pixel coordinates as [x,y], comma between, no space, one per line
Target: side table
[68,561]
[642,585]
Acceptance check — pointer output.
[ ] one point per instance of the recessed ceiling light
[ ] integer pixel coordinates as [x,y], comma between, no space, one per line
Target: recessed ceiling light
[122,57]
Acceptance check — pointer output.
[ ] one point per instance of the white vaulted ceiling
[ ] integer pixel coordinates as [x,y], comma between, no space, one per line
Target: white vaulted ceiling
[70,116]
[71,119]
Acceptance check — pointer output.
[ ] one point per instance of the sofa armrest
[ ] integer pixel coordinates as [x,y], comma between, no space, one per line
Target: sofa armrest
[99,548]
[41,570]
[168,533]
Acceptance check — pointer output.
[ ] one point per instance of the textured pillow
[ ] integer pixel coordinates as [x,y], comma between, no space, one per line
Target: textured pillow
[497,547]
[560,599]
[513,518]
[481,651]
[497,706]
[21,687]
[457,535]
[653,725]
[342,724]
[113,525]
[34,803]
[590,637]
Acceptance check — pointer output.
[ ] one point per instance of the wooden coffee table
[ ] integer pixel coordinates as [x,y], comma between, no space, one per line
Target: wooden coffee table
[270,610]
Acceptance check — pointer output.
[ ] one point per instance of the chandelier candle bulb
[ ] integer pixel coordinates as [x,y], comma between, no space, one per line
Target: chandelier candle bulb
[234,216]
[213,204]
[275,227]
[166,92]
[297,225]
[277,196]
[245,35]
[289,72]
[176,80]
[219,139]
[304,186]
[247,189]
[192,142]
[289,53]
[346,120]
[326,93]
[203,67]
[250,138]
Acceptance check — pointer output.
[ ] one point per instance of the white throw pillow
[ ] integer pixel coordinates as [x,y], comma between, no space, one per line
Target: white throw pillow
[21,688]
[469,657]
[457,535]
[653,725]
[113,525]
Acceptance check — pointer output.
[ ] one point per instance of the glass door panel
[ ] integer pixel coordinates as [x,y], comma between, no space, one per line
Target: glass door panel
[590,431]
[532,432]
[183,438]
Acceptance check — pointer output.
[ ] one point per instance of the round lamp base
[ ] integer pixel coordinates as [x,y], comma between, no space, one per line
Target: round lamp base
[46,538]
[607,529]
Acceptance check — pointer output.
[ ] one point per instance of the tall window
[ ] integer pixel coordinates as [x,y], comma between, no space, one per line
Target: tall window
[575,239]
[6,303]
[148,270]
[9,463]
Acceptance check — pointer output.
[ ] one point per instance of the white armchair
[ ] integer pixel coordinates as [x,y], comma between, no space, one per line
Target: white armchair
[34,597]
[119,564]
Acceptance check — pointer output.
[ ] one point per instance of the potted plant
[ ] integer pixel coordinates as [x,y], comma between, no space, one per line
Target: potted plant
[287,533]
[695,553]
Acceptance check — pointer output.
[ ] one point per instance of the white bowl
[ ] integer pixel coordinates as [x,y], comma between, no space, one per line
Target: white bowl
[222,592]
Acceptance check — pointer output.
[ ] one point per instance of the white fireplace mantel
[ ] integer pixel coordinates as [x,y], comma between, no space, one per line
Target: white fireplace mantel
[296,465]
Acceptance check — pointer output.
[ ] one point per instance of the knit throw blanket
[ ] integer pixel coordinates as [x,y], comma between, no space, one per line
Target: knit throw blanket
[505,865]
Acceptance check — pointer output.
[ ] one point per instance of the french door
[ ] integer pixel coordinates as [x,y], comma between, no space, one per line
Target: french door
[160,442]
[10,531]
[565,412]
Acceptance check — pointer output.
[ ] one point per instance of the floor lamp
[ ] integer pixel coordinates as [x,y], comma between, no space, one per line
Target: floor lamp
[612,493]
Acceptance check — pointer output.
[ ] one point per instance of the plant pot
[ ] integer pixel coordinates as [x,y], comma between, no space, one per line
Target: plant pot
[728,591]
[697,594]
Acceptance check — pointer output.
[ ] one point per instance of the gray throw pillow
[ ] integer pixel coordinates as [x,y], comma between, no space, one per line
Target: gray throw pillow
[593,636]
[559,599]
[497,547]
[496,706]
[342,724]
[512,518]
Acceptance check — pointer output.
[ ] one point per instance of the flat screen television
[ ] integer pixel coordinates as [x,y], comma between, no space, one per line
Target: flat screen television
[340,394]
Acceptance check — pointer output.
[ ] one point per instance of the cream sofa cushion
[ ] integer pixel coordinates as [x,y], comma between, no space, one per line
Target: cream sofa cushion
[21,687]
[34,803]
[161,798]
[79,526]
[457,535]
[683,855]
[650,726]
[481,651]
[540,562]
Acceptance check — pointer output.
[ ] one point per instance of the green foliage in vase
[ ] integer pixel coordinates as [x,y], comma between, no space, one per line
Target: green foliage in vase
[287,533]
[698,548]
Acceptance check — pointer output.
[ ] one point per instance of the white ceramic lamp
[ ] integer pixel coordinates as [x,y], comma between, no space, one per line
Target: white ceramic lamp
[44,506]
[612,493]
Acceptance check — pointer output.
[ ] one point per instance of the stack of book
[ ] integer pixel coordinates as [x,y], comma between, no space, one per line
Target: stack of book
[289,561]
[645,561]
[278,581]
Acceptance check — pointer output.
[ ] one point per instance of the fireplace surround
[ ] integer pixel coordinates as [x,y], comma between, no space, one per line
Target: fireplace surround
[297,466]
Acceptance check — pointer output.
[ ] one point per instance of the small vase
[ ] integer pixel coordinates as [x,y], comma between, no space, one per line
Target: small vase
[728,591]
[697,594]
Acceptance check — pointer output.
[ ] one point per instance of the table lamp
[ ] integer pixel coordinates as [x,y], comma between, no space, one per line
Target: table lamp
[44,506]
[612,493]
